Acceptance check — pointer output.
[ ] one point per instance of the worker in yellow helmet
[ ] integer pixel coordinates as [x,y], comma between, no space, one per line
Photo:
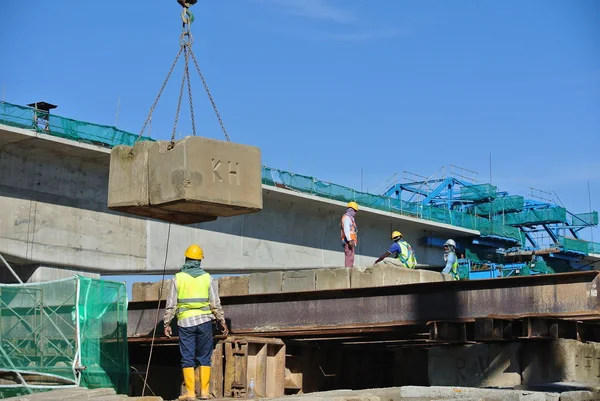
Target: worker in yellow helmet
[349,233]
[196,300]
[400,250]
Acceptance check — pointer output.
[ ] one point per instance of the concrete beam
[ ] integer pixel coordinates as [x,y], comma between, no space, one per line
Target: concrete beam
[54,196]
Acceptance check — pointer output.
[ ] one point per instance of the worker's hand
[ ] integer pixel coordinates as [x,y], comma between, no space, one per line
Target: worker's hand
[224,327]
[168,331]
[352,244]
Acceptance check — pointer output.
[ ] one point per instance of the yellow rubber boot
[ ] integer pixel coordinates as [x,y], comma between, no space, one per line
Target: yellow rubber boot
[188,378]
[204,382]
[197,380]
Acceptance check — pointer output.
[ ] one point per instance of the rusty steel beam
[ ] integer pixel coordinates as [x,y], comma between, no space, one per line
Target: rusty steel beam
[566,295]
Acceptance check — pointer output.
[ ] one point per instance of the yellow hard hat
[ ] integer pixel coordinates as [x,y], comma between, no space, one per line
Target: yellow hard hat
[353,205]
[194,252]
[396,234]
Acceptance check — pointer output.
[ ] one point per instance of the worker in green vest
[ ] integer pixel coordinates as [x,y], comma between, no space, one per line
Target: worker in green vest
[196,300]
[451,259]
[401,250]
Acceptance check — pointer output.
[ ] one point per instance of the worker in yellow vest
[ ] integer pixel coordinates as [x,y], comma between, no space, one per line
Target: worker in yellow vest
[349,233]
[196,300]
[451,259]
[401,250]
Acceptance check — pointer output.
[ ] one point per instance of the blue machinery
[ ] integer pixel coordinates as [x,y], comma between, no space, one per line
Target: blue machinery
[519,236]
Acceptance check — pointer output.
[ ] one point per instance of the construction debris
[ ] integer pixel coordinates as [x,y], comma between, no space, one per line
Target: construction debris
[81,394]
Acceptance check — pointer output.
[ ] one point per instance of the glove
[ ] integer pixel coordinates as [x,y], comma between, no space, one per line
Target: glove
[224,327]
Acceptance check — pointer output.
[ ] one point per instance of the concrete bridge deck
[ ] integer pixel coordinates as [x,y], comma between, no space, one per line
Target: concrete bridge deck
[53,197]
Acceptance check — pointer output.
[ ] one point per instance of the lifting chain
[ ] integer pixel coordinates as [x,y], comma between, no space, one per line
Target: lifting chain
[185,46]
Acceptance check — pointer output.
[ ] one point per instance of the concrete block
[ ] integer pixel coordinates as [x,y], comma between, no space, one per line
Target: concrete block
[329,279]
[364,277]
[233,285]
[580,396]
[128,185]
[561,361]
[264,283]
[137,291]
[152,290]
[128,177]
[198,180]
[205,177]
[463,393]
[428,276]
[382,274]
[301,280]
[475,365]
[394,274]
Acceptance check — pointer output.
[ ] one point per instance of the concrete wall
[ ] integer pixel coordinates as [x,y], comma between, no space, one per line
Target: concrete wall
[53,198]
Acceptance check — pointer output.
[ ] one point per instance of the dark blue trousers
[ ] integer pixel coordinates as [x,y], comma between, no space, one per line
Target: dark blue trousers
[196,345]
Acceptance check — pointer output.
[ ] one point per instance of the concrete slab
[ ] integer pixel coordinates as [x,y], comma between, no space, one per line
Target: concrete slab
[475,365]
[302,280]
[428,276]
[262,283]
[233,285]
[137,291]
[579,396]
[382,274]
[394,274]
[328,279]
[363,277]
[152,292]
[204,176]
[461,393]
[561,361]
[57,215]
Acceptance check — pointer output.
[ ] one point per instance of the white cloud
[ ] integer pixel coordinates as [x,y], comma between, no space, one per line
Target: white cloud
[317,9]
[361,36]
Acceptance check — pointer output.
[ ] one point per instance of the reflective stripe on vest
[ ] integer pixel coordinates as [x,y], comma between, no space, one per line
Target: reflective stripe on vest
[406,255]
[192,295]
[454,269]
[353,229]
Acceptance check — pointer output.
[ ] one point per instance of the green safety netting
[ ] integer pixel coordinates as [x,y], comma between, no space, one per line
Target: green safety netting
[594,247]
[64,333]
[513,203]
[81,131]
[478,192]
[541,216]
[574,245]
[312,186]
[538,266]
[585,219]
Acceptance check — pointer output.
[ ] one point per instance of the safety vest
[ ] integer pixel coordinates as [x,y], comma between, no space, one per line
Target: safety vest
[454,269]
[192,295]
[353,229]
[406,256]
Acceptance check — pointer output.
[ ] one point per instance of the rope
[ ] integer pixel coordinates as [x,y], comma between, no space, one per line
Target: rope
[160,290]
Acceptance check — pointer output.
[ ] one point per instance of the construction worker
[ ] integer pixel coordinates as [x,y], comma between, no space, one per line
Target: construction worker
[400,250]
[451,259]
[349,233]
[196,300]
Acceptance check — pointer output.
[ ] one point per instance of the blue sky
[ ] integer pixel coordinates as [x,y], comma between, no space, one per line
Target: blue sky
[330,87]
